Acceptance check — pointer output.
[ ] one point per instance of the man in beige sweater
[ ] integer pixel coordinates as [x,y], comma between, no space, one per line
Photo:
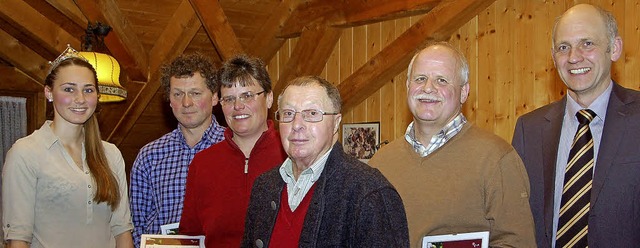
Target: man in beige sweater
[452,176]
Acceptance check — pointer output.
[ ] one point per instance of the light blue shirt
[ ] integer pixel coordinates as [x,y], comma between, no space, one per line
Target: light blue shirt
[297,189]
[569,127]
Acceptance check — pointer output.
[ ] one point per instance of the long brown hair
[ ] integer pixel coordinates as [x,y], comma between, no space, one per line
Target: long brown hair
[107,189]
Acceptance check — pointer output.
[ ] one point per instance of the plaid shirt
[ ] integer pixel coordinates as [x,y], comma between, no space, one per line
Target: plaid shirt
[159,176]
[438,140]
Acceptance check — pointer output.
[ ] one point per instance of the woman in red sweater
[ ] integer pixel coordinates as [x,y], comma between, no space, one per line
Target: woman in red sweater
[220,177]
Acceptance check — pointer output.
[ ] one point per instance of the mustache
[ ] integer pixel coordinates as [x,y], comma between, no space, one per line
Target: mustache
[427,97]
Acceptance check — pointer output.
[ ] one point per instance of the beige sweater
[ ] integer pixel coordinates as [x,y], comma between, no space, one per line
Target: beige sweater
[475,182]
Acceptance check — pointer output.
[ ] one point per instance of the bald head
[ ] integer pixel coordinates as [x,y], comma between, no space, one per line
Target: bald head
[600,17]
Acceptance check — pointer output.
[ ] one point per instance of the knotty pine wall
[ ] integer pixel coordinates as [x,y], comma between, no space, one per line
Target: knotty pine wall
[508,47]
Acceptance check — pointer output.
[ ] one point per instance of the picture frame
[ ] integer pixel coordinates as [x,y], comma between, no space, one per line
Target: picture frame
[171,241]
[361,140]
[458,240]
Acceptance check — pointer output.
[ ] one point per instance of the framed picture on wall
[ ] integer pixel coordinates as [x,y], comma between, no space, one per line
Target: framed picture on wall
[361,139]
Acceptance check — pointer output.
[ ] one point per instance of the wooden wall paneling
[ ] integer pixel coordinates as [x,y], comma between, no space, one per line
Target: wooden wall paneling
[631,44]
[504,48]
[331,70]
[542,62]
[402,114]
[373,47]
[486,67]
[283,54]
[272,69]
[523,74]
[359,47]
[346,64]
[467,41]
[547,85]
[387,92]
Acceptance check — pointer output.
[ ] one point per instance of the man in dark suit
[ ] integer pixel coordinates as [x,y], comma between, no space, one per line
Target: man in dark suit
[585,43]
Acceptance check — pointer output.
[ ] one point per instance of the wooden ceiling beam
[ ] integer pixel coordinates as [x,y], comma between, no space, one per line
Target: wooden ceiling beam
[439,24]
[360,12]
[37,27]
[310,55]
[14,30]
[181,29]
[308,13]
[217,27]
[74,25]
[264,43]
[16,80]
[349,13]
[23,58]
[123,43]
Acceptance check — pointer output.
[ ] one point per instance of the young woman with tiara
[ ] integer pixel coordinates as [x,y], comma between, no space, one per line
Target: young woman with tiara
[62,186]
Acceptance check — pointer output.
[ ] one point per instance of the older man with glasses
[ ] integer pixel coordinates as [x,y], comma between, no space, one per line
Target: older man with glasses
[320,196]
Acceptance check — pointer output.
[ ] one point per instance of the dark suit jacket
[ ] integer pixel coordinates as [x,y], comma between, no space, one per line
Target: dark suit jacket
[614,218]
[353,205]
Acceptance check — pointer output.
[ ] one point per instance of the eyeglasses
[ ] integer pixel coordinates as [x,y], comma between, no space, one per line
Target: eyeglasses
[308,115]
[246,97]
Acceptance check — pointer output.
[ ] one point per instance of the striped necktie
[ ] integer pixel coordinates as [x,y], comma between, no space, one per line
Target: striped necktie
[576,192]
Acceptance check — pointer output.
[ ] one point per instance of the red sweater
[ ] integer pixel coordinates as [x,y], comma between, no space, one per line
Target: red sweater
[218,189]
[288,227]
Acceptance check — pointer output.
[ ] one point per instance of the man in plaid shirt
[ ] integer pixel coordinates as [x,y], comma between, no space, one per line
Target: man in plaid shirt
[159,174]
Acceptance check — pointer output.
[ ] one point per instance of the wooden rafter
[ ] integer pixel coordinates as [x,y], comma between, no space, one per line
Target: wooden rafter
[438,24]
[264,43]
[74,25]
[308,13]
[23,58]
[36,27]
[351,13]
[123,43]
[218,28]
[360,12]
[182,27]
[310,54]
[14,31]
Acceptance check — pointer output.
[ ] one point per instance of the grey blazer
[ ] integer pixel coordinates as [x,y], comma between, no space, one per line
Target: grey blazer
[614,218]
[353,205]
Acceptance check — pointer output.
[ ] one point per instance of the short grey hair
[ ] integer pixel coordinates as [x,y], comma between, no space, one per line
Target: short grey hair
[332,92]
[463,65]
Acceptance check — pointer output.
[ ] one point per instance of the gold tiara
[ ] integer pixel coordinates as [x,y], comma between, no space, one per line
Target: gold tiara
[66,54]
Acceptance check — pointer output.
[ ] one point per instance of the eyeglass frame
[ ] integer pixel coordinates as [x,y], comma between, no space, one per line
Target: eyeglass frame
[303,113]
[244,98]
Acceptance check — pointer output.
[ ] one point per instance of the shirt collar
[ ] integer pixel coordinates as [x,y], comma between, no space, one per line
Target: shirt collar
[209,133]
[48,137]
[315,170]
[439,139]
[599,105]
